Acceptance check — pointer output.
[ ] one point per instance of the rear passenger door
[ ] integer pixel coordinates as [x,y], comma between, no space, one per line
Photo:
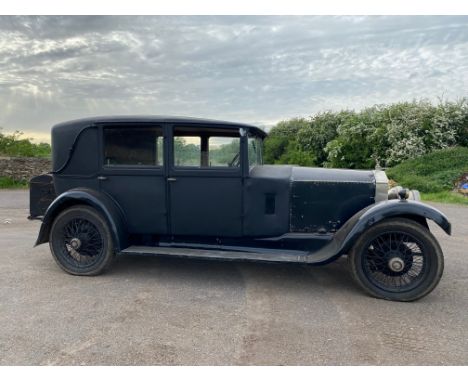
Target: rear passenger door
[132,173]
[205,181]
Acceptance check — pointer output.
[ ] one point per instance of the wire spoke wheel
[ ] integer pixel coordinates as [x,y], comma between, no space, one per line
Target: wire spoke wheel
[80,241]
[395,261]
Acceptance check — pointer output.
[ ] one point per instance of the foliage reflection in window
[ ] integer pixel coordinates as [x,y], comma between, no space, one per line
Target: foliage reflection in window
[187,151]
[212,151]
[224,152]
[255,150]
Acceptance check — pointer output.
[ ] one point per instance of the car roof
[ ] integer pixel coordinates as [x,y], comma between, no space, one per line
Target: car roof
[190,121]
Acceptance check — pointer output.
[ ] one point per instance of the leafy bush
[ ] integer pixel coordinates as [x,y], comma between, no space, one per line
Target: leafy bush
[358,141]
[321,129]
[434,172]
[14,145]
[383,134]
[282,146]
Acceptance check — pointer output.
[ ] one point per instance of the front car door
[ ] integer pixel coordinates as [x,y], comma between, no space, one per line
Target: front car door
[205,181]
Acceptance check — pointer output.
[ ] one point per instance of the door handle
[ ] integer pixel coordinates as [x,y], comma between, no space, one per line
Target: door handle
[171,179]
[102,177]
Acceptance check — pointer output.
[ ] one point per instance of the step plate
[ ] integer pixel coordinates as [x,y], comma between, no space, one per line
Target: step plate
[298,257]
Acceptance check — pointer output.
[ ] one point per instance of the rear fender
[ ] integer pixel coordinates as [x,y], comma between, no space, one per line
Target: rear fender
[103,203]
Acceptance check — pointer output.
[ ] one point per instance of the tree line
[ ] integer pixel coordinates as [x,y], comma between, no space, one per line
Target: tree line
[383,135]
[16,146]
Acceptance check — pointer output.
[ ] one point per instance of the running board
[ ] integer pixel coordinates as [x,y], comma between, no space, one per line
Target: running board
[267,255]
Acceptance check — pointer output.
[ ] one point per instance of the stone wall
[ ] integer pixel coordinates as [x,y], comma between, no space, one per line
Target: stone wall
[22,168]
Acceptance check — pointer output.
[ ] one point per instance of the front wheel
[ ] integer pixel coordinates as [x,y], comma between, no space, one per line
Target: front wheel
[80,241]
[397,259]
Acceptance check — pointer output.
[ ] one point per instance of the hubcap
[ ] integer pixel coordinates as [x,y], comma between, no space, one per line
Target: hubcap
[396,264]
[82,242]
[395,261]
[75,243]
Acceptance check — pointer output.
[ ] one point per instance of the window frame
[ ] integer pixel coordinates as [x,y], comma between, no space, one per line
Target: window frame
[174,151]
[198,129]
[129,169]
[209,151]
[259,153]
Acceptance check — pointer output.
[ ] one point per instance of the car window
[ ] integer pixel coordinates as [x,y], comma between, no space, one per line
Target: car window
[187,151]
[134,146]
[206,147]
[255,150]
[224,152]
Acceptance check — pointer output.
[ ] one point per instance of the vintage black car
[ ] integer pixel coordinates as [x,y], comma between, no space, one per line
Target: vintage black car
[198,188]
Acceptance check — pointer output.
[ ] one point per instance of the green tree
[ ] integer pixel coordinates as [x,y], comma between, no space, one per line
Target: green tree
[282,147]
[321,129]
[381,134]
[14,145]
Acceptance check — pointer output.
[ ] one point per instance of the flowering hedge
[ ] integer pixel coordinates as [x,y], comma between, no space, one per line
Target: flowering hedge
[383,134]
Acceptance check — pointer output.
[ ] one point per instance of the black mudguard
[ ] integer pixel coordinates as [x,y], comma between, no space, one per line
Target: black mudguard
[347,235]
[102,202]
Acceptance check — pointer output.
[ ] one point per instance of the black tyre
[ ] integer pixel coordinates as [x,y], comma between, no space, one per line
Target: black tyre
[80,241]
[397,259]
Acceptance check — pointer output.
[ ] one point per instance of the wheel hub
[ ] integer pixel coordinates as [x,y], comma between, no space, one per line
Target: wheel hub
[396,264]
[75,243]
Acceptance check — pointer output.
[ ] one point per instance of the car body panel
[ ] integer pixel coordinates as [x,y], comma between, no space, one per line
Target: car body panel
[206,205]
[323,200]
[314,213]
[267,184]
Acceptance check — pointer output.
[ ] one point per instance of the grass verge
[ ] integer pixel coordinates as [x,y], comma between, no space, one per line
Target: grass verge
[434,174]
[6,182]
[445,197]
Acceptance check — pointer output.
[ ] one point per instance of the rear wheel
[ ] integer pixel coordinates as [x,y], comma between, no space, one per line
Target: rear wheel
[397,259]
[80,241]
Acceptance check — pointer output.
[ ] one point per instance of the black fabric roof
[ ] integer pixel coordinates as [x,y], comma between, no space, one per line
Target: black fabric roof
[190,121]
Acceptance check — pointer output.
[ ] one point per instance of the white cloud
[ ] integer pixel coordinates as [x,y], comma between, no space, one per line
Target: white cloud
[250,69]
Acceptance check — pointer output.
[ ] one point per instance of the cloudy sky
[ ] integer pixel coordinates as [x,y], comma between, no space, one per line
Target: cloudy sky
[250,69]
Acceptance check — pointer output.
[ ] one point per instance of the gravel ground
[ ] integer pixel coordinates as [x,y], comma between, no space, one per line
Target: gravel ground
[149,310]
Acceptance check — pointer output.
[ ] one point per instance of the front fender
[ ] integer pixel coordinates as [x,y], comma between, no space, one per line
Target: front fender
[347,235]
[388,209]
[100,201]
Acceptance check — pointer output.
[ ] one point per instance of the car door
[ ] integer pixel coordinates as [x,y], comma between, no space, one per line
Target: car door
[205,181]
[133,174]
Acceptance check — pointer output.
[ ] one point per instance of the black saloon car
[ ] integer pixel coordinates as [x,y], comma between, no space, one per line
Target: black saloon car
[198,188]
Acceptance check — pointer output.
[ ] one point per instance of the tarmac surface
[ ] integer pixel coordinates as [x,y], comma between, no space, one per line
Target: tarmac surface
[163,311]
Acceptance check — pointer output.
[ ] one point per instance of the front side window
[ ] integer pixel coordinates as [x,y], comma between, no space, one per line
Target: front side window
[255,150]
[133,146]
[224,152]
[206,148]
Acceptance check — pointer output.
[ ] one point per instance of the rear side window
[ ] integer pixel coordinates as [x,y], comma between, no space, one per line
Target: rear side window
[187,151]
[133,146]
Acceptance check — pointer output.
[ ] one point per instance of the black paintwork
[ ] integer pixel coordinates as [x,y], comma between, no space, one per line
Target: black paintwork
[318,212]
[100,201]
[41,195]
[337,196]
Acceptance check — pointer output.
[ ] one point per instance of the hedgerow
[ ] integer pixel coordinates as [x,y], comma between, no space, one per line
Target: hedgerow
[383,134]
